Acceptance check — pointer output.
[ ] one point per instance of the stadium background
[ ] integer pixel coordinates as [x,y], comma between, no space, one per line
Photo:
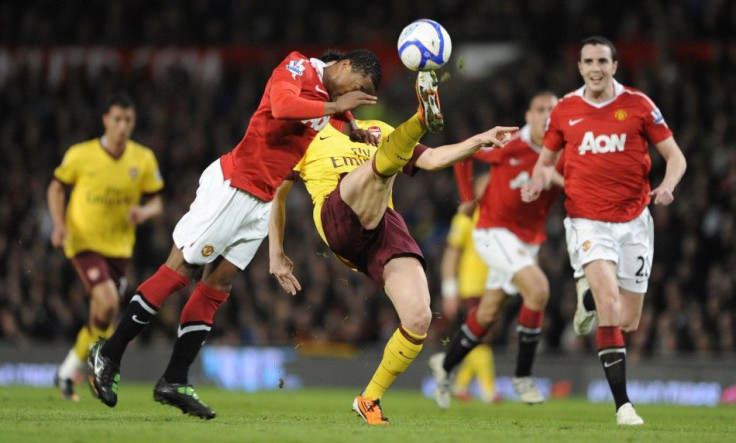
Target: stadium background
[196,70]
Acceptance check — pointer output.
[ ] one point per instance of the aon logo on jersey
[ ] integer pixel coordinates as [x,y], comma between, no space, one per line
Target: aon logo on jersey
[602,144]
[317,123]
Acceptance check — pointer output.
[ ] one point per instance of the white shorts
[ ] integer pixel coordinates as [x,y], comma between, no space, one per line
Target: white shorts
[222,221]
[505,255]
[630,245]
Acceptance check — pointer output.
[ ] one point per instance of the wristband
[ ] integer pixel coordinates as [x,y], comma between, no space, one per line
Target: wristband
[449,288]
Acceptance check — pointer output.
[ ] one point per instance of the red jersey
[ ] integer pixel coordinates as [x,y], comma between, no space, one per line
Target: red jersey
[606,154]
[501,205]
[289,116]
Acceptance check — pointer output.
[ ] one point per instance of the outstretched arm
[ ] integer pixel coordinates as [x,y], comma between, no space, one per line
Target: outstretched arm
[676,165]
[280,266]
[446,155]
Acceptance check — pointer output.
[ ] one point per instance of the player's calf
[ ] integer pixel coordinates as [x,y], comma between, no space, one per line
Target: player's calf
[585,312]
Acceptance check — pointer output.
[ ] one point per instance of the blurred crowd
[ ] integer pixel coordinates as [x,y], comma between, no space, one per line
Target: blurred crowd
[678,52]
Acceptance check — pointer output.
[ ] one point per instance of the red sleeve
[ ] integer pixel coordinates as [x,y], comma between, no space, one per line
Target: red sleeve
[287,81]
[489,155]
[343,121]
[410,167]
[553,137]
[286,103]
[464,178]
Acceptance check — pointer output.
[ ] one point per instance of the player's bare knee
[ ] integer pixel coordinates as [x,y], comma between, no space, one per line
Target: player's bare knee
[629,325]
[419,320]
[537,297]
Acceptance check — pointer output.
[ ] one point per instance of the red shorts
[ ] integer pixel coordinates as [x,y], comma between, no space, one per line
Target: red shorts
[368,250]
[94,269]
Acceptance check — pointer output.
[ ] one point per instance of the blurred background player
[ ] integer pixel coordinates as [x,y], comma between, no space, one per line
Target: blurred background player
[228,218]
[351,186]
[507,236]
[463,275]
[108,177]
[605,129]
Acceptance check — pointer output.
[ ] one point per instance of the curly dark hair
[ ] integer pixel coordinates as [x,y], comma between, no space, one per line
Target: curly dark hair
[364,62]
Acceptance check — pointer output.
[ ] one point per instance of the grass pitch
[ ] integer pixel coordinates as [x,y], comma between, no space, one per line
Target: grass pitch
[311,415]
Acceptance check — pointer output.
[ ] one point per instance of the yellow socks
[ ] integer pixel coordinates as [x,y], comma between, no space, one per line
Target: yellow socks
[401,350]
[485,369]
[84,341]
[88,336]
[396,149]
[478,363]
[464,376]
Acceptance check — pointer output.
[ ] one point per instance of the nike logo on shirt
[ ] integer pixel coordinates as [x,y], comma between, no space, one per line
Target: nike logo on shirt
[321,91]
[575,122]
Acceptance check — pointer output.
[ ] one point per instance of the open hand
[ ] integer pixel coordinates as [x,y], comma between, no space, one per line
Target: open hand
[281,267]
[353,99]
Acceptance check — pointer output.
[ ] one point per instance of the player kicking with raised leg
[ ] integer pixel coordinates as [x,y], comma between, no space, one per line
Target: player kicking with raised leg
[351,185]
[229,216]
[605,129]
[508,236]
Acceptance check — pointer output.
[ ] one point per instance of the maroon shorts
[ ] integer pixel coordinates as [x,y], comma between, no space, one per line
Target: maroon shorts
[368,250]
[94,269]
[470,303]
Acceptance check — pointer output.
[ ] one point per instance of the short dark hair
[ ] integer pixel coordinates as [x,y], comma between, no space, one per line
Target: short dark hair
[121,99]
[332,55]
[598,40]
[366,63]
[542,93]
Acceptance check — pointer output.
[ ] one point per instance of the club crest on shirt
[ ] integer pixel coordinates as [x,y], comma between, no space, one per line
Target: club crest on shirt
[586,245]
[375,131]
[296,68]
[133,172]
[620,114]
[207,250]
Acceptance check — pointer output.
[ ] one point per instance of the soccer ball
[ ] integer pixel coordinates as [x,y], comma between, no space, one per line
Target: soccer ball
[424,45]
